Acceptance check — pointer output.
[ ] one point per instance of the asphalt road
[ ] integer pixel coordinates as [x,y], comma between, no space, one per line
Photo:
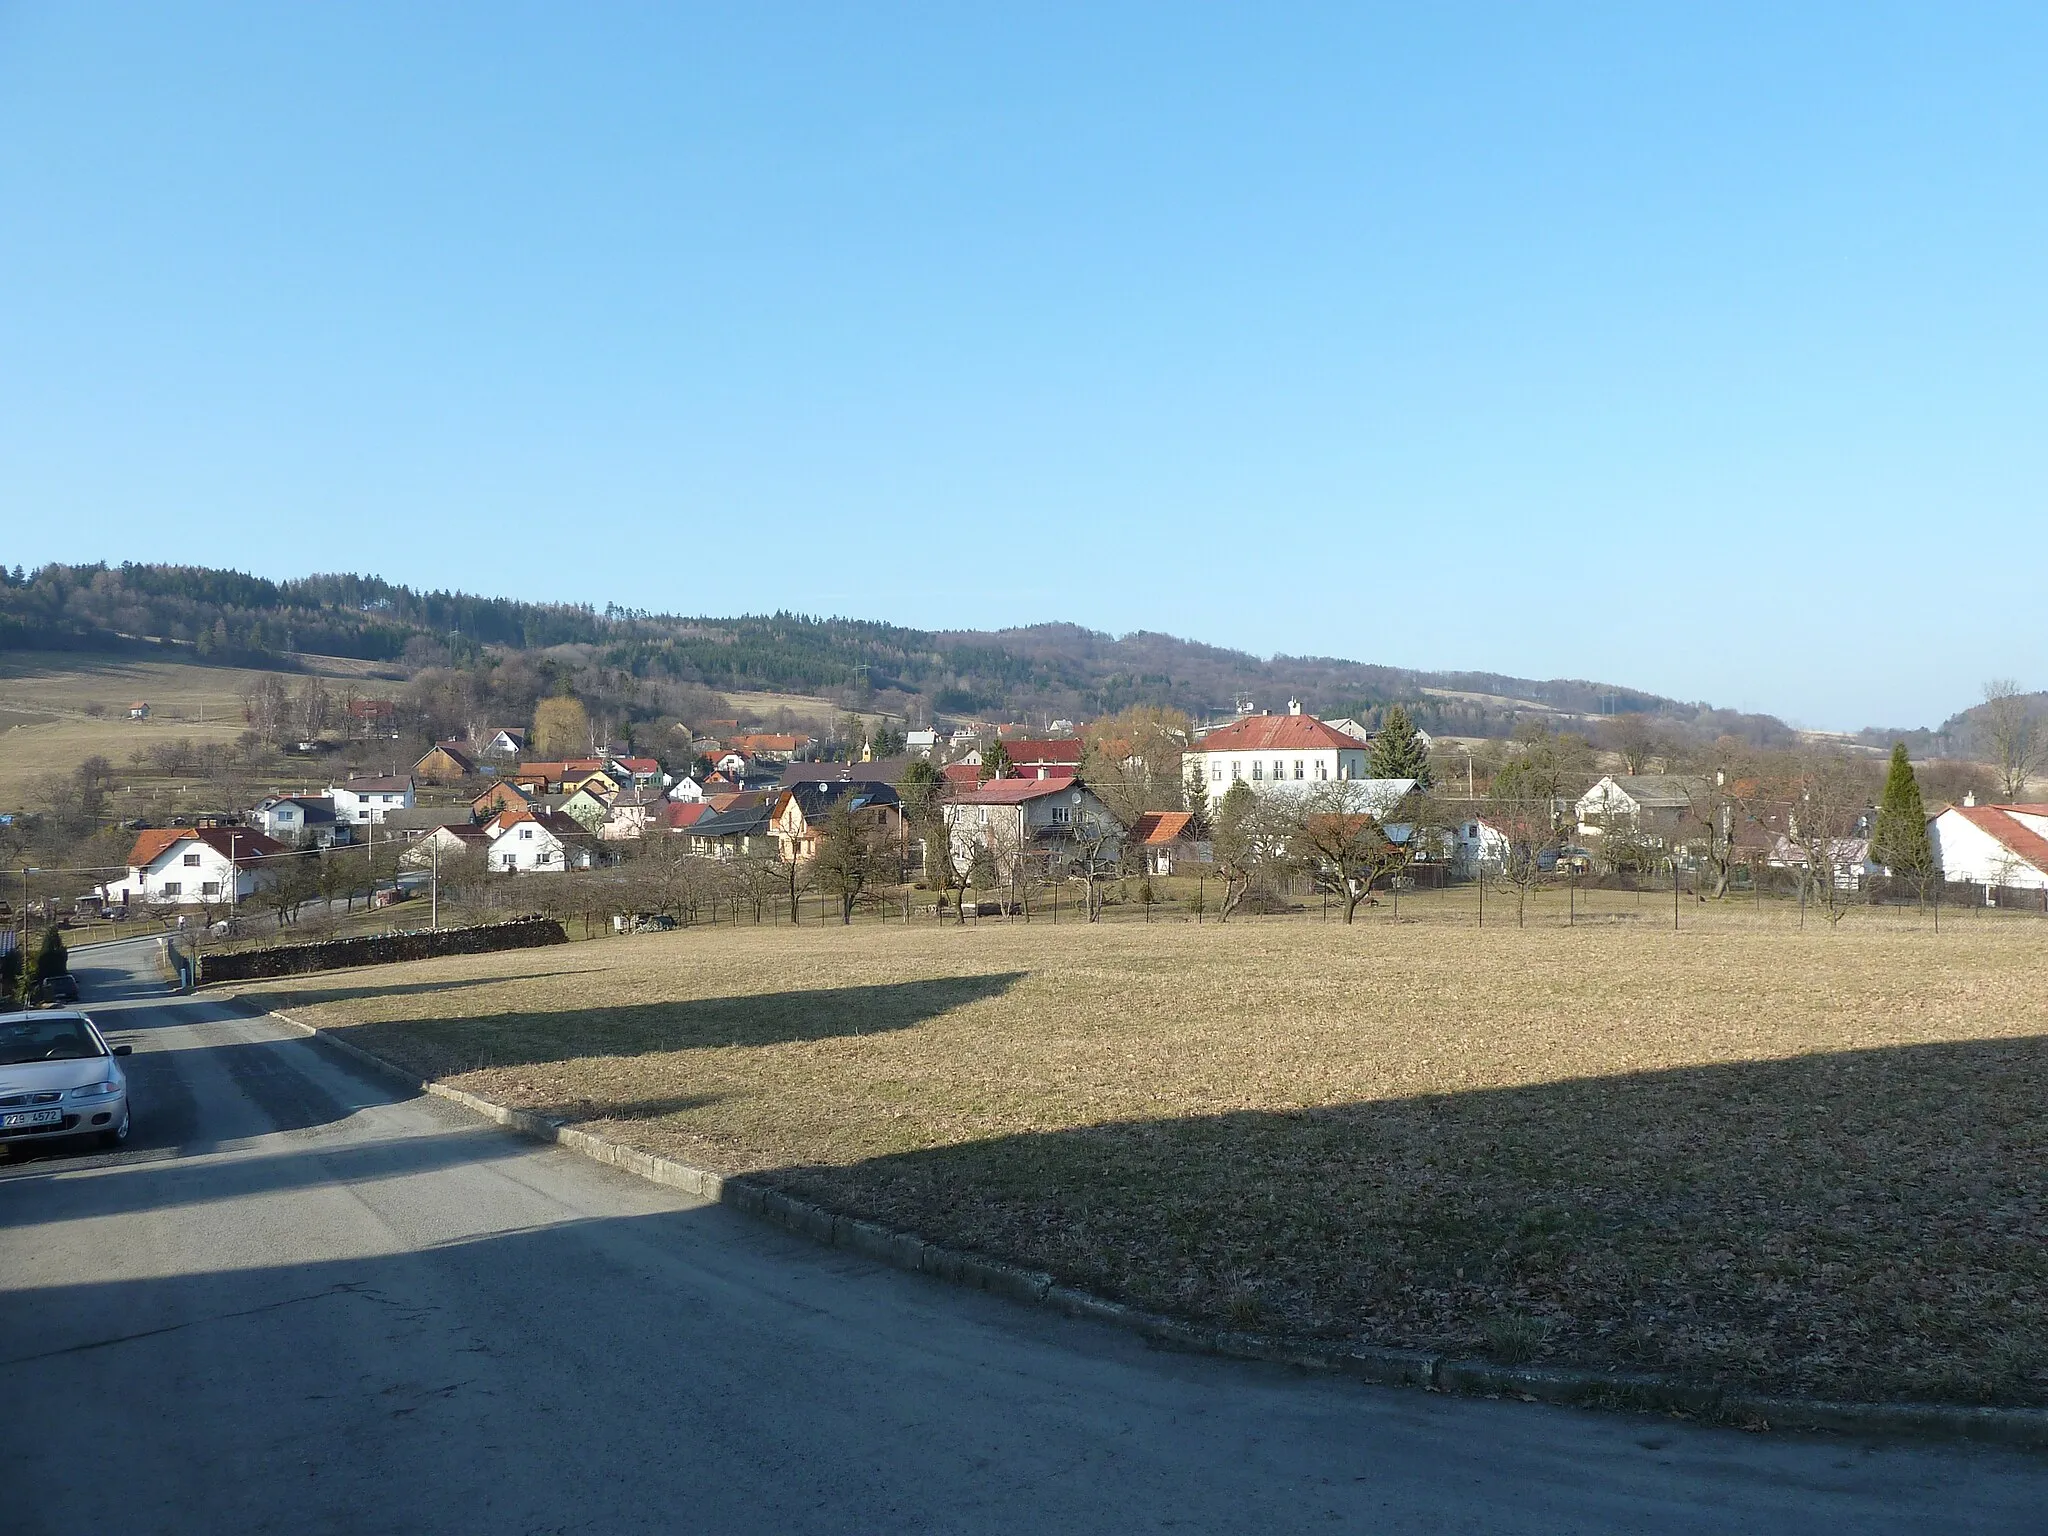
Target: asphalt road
[302,1302]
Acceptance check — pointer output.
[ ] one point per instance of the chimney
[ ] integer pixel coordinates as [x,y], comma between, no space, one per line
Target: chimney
[1294,706]
[1969,797]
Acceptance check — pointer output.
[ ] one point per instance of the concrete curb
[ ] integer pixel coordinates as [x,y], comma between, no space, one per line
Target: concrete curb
[1639,1392]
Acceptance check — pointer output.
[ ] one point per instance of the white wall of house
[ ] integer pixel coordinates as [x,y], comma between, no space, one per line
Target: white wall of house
[1279,769]
[527,847]
[370,806]
[187,874]
[1965,851]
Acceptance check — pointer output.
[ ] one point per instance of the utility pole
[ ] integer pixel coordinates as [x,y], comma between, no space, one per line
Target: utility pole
[434,889]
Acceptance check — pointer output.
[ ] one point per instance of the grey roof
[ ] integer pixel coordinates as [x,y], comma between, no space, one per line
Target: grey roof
[740,821]
[424,818]
[1658,789]
[816,800]
[884,770]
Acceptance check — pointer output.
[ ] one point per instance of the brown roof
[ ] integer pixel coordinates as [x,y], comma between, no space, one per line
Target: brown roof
[1274,733]
[2023,840]
[1014,791]
[387,784]
[234,843]
[1157,827]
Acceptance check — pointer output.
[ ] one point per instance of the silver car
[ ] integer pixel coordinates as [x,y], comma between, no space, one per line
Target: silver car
[58,1078]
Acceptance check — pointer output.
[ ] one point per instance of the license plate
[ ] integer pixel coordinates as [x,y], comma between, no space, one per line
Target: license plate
[22,1119]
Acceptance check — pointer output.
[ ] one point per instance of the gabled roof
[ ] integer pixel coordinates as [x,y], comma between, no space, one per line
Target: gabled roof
[740,821]
[1274,733]
[1015,791]
[316,808]
[883,770]
[242,846]
[567,828]
[1656,789]
[1155,828]
[678,816]
[816,800]
[456,751]
[638,764]
[1998,822]
[388,784]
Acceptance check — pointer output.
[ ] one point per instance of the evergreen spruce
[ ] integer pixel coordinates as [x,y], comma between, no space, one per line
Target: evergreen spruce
[1397,752]
[995,763]
[1900,842]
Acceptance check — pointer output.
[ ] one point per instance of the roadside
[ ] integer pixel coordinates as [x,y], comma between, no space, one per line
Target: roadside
[1559,1156]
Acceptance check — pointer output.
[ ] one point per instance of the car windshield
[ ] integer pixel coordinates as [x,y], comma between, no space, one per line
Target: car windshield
[61,1039]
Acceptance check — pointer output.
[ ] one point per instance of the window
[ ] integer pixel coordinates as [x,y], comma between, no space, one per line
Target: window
[1322,768]
[526,832]
[172,888]
[1300,769]
[1233,773]
[1062,815]
[1279,769]
[1216,773]
[191,861]
[1258,769]
[211,888]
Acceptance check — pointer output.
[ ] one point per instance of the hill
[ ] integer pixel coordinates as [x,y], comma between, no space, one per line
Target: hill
[1037,673]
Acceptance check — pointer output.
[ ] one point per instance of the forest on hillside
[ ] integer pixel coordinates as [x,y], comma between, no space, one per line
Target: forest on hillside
[1036,673]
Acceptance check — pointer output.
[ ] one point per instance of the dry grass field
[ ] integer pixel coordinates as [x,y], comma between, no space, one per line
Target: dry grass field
[44,727]
[1810,1162]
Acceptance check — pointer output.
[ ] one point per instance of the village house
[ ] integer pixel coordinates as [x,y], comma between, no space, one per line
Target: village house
[1992,845]
[735,833]
[922,742]
[503,741]
[369,800]
[801,811]
[299,820]
[1268,752]
[139,710]
[588,804]
[1041,821]
[539,842]
[188,866]
[681,816]
[1653,805]
[410,826]
[686,791]
[771,747]
[504,795]
[601,782]
[1060,758]
[1167,843]
[630,814]
[1482,847]
[371,717]
[635,772]
[445,762]
[444,844]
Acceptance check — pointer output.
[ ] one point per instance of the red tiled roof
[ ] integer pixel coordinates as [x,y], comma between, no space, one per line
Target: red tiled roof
[1274,733]
[229,842]
[638,764]
[1158,827]
[676,817]
[2015,834]
[1014,791]
[965,775]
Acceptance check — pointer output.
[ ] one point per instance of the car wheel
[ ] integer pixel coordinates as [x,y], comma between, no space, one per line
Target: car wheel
[118,1134]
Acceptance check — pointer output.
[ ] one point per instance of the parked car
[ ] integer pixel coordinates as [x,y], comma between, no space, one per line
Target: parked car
[59,1078]
[53,990]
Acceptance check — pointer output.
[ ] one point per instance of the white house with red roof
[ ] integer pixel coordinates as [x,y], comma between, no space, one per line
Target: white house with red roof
[1040,820]
[538,842]
[191,865]
[1992,845]
[1269,752]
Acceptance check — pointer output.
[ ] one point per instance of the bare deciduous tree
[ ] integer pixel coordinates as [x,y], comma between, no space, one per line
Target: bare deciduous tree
[2013,731]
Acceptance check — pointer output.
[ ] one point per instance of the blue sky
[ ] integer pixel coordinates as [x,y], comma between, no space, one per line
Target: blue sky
[1699,349]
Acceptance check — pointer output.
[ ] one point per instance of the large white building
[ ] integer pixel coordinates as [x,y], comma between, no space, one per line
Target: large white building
[1994,845]
[1269,752]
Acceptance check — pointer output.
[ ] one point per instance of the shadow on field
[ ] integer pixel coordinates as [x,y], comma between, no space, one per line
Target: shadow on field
[288,992]
[1869,1223]
[465,1043]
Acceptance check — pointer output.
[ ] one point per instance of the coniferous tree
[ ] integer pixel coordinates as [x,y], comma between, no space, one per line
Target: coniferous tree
[1900,842]
[995,762]
[1397,752]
